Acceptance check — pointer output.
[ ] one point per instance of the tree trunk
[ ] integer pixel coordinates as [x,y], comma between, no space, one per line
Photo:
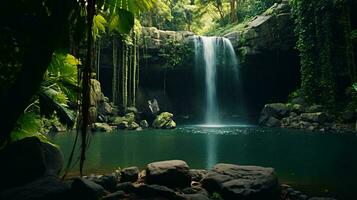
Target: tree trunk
[86,82]
[133,100]
[41,39]
[115,70]
[233,4]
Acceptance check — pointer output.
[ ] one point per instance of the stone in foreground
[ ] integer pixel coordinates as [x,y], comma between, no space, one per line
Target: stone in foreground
[172,173]
[129,174]
[242,182]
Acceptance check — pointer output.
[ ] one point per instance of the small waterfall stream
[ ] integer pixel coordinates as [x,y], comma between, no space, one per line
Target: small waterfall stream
[213,53]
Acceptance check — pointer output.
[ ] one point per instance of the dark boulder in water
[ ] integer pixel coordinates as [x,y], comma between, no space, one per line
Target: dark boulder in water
[242,182]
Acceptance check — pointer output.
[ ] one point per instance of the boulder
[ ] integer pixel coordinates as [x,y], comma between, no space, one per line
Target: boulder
[172,173]
[105,108]
[116,195]
[53,159]
[170,125]
[133,126]
[157,192]
[297,108]
[144,124]
[242,182]
[197,174]
[127,187]
[85,189]
[101,127]
[108,182]
[348,116]
[315,108]
[318,117]
[129,174]
[195,197]
[45,188]
[21,162]
[123,125]
[164,120]
[278,110]
[272,122]
[129,117]
[153,106]
[131,109]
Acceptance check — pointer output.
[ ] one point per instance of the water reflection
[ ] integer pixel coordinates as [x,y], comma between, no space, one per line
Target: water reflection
[211,149]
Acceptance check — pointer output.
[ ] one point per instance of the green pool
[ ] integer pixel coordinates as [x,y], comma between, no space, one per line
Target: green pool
[315,163]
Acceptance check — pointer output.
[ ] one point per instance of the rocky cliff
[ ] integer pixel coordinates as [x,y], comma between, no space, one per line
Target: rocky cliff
[269,64]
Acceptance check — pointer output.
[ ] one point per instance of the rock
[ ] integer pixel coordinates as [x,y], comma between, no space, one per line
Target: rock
[164,120]
[129,174]
[132,109]
[299,100]
[93,114]
[242,182]
[126,122]
[318,117]
[96,97]
[273,113]
[108,182]
[127,187]
[172,173]
[133,126]
[272,122]
[170,125]
[105,108]
[195,197]
[157,191]
[144,124]
[95,92]
[348,116]
[277,110]
[85,189]
[115,196]
[53,159]
[315,108]
[129,117]
[197,174]
[21,162]
[101,127]
[123,125]
[45,188]
[153,106]
[259,36]
[150,110]
[297,108]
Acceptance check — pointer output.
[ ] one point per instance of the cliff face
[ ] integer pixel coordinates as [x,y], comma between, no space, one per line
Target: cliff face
[272,30]
[269,65]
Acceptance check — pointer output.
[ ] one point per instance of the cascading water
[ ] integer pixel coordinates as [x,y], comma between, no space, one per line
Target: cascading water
[214,52]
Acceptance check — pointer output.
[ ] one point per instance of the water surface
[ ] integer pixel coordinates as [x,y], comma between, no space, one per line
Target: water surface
[318,164]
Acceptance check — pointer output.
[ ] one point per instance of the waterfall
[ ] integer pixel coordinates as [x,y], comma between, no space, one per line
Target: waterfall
[212,53]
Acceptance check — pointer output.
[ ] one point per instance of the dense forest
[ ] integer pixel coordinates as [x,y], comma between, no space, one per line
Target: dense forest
[215,69]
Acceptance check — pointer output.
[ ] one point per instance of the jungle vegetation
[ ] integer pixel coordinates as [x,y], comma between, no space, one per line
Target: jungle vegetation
[51,49]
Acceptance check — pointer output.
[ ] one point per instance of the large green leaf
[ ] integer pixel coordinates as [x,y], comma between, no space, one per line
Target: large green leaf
[98,25]
[125,20]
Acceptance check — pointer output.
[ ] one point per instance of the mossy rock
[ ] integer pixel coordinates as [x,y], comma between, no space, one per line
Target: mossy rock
[170,125]
[164,120]
[133,126]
